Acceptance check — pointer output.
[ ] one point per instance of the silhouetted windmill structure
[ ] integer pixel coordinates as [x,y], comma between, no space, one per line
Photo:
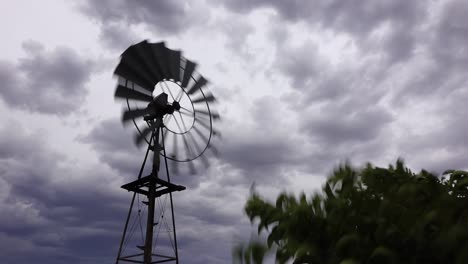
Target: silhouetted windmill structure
[169,105]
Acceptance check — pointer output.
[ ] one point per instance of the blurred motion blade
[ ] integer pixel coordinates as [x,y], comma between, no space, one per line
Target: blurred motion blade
[158,50]
[138,62]
[188,71]
[200,150]
[175,164]
[197,85]
[208,98]
[134,113]
[207,114]
[123,70]
[145,56]
[174,64]
[204,123]
[192,169]
[216,133]
[124,92]
[213,149]
[201,135]
[141,137]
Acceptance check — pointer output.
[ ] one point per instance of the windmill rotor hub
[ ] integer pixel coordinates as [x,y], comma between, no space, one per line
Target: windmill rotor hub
[176,106]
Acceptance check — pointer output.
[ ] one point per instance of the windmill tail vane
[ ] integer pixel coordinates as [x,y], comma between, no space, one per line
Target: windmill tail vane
[169,104]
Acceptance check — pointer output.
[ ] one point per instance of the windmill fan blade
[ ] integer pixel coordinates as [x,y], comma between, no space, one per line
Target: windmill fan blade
[209,98]
[131,57]
[123,70]
[185,114]
[145,55]
[174,64]
[141,137]
[198,84]
[132,67]
[207,114]
[203,124]
[216,133]
[124,92]
[192,169]
[205,139]
[131,114]
[159,54]
[188,71]
[189,150]
[199,151]
[200,134]
[204,160]
[213,149]
[175,167]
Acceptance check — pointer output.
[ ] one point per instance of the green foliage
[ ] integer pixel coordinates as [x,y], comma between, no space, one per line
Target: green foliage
[371,215]
[253,253]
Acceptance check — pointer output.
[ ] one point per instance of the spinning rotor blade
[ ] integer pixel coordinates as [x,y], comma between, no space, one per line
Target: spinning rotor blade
[174,166]
[205,139]
[124,92]
[203,124]
[138,63]
[129,68]
[210,128]
[189,150]
[216,133]
[143,51]
[188,71]
[207,114]
[141,137]
[131,114]
[192,169]
[199,151]
[160,57]
[199,84]
[213,149]
[186,114]
[209,98]
[174,64]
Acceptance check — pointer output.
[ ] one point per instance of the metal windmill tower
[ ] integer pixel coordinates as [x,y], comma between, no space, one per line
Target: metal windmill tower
[169,105]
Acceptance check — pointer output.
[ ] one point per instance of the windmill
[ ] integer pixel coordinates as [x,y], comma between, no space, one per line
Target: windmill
[167,101]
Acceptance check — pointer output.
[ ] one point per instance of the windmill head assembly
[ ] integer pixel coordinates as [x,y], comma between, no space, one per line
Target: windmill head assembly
[168,103]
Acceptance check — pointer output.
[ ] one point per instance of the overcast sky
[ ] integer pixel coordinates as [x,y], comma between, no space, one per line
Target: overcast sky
[302,86]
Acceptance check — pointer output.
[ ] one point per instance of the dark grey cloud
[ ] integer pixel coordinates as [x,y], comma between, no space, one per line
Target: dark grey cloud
[263,146]
[443,58]
[302,64]
[118,18]
[50,205]
[117,36]
[340,124]
[451,34]
[115,147]
[358,19]
[441,143]
[403,55]
[51,82]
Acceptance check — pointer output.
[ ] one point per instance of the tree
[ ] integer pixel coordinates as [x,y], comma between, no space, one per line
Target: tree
[369,215]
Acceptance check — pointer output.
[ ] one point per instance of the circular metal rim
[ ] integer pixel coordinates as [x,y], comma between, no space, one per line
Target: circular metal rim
[211,123]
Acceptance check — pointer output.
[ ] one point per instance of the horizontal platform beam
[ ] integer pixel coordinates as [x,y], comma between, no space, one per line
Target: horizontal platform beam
[137,185]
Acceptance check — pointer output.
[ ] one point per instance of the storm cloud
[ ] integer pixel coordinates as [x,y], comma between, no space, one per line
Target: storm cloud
[50,82]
